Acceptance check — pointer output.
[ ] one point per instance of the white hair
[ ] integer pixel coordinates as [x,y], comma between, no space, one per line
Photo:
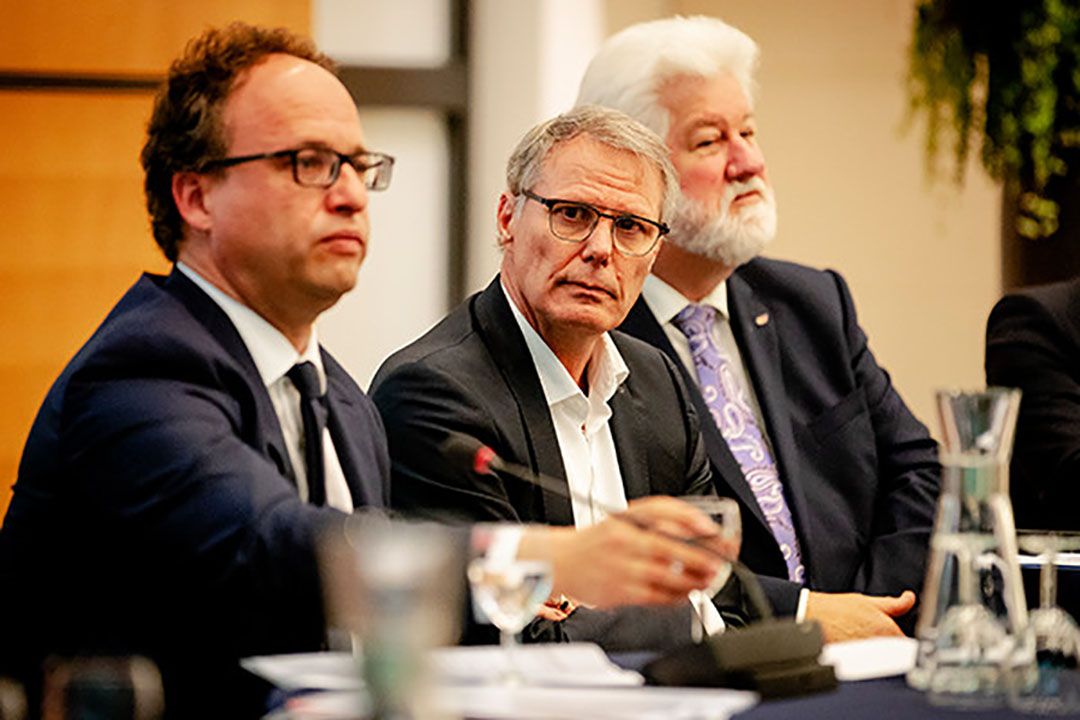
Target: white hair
[723,236]
[632,65]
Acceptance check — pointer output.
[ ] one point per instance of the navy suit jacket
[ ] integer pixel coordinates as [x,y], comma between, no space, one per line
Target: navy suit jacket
[860,473]
[155,511]
[473,374]
[1033,343]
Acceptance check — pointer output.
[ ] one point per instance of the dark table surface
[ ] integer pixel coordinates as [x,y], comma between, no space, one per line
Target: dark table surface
[887,699]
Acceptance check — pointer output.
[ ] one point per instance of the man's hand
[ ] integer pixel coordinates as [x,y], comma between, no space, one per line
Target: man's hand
[635,558]
[853,616]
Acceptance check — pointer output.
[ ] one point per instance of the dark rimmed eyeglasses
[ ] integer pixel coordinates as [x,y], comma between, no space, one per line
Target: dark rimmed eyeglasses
[321,167]
[575,222]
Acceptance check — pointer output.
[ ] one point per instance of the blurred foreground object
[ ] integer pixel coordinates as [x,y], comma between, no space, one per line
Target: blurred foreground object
[397,588]
[973,628]
[12,700]
[103,688]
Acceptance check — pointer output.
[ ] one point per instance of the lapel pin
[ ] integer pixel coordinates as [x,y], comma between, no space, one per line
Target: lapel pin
[762,320]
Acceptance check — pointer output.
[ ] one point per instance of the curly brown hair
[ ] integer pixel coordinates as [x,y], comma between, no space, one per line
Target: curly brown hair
[185,129]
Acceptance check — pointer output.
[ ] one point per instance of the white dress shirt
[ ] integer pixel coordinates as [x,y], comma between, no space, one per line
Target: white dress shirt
[274,356]
[584,434]
[666,302]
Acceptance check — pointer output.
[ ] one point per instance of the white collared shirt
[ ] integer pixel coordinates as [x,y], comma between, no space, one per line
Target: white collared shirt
[666,302]
[274,356]
[581,422]
[585,441]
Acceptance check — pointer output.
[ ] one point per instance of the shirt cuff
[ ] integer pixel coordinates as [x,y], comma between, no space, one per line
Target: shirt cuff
[497,543]
[800,611]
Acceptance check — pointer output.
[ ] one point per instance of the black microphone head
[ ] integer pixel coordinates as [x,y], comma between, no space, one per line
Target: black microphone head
[464,450]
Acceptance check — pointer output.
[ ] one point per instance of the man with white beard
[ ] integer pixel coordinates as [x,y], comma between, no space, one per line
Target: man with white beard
[836,479]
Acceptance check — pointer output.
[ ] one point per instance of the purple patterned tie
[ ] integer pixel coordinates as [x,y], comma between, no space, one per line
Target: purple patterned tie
[735,419]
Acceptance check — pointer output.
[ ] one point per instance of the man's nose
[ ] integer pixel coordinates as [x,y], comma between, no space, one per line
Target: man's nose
[745,159]
[349,194]
[600,244]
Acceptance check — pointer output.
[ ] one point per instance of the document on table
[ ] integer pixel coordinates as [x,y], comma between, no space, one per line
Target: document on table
[566,682]
[1070,560]
[554,664]
[495,702]
[872,658]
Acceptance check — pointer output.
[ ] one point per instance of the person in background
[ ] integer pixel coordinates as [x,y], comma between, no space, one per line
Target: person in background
[530,367]
[1033,343]
[836,479]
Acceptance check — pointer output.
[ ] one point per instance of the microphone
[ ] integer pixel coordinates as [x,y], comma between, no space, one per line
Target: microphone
[776,658]
[465,450]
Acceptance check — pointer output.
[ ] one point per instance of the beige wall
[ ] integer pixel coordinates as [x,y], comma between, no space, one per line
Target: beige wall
[922,261]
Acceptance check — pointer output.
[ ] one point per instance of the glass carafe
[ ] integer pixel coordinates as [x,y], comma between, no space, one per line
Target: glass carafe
[972,626]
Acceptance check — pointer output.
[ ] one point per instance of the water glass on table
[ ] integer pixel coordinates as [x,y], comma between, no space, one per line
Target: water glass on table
[1054,687]
[509,592]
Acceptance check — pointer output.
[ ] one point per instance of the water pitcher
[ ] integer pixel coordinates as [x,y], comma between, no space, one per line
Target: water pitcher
[972,627]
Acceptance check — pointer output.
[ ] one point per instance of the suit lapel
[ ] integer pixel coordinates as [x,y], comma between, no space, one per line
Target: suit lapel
[218,324]
[642,324]
[756,334]
[627,414]
[344,421]
[496,323]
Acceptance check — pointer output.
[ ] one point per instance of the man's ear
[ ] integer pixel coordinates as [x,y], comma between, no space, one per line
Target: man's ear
[504,216]
[189,194]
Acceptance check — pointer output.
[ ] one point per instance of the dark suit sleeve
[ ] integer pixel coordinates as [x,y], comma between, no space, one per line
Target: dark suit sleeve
[908,471]
[420,405]
[1028,348]
[157,461]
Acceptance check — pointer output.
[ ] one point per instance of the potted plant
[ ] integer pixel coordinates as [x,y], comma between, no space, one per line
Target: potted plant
[1003,76]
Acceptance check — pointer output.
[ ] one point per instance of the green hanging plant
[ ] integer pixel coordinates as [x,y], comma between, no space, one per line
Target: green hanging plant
[1004,75]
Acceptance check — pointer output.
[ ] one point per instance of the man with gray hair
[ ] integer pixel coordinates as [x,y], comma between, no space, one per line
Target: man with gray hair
[530,368]
[835,478]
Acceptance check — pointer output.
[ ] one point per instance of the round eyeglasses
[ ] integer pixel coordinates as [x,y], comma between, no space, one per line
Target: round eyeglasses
[320,167]
[575,222]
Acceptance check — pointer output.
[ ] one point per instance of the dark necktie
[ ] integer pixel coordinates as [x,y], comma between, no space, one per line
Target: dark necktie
[730,408]
[313,412]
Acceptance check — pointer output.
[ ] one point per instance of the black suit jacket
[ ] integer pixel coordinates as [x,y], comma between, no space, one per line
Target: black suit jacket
[1033,343]
[155,511]
[860,473]
[473,374]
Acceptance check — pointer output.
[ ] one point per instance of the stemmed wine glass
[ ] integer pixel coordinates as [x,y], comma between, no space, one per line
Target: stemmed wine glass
[510,592]
[1056,688]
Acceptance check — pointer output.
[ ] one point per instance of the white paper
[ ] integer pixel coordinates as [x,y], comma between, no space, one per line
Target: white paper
[307,671]
[536,703]
[558,664]
[555,664]
[870,659]
[1064,560]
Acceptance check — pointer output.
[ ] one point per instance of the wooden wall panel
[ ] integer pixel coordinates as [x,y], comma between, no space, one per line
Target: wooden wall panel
[73,236]
[128,36]
[73,227]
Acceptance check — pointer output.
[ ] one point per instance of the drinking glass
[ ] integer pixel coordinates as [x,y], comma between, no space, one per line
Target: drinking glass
[972,645]
[1055,686]
[972,626]
[509,592]
[396,587]
[726,542]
